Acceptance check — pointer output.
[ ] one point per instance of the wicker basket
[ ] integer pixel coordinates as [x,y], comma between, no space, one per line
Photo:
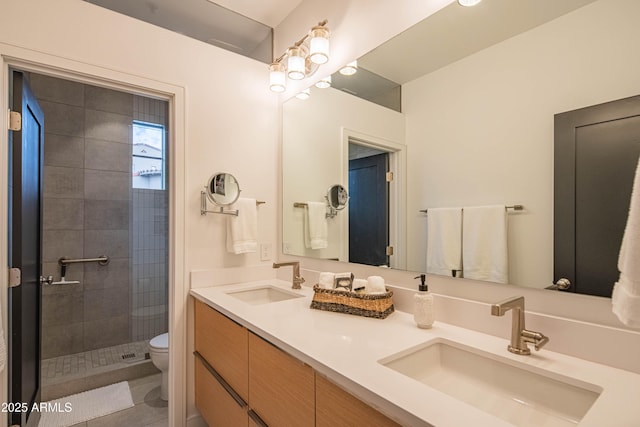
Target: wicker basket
[378,306]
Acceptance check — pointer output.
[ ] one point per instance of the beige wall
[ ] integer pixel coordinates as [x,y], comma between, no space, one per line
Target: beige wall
[480,130]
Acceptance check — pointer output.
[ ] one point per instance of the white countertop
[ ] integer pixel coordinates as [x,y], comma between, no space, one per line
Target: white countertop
[347,348]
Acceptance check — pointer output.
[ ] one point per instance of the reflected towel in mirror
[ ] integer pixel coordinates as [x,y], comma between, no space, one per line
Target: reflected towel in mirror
[484,243]
[315,226]
[444,241]
[626,291]
[242,230]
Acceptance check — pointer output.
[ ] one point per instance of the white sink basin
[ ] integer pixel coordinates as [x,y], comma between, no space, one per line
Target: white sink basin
[263,295]
[518,393]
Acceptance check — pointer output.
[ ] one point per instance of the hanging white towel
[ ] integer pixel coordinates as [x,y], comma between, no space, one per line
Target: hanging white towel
[444,241]
[626,291]
[315,227]
[242,230]
[484,243]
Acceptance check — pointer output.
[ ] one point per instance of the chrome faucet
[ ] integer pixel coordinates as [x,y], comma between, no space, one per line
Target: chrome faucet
[297,278]
[519,335]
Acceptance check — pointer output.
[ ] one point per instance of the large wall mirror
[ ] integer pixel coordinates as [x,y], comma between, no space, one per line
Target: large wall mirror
[480,88]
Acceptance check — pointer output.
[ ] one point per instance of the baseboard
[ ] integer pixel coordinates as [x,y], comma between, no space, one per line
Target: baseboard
[196,421]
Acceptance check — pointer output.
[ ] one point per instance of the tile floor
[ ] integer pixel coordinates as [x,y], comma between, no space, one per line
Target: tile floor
[149,409]
[63,368]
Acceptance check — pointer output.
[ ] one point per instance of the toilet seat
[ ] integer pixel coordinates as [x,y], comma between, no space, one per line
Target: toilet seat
[160,343]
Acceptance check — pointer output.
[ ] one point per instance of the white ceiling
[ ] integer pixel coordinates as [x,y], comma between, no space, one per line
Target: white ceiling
[271,12]
[445,37]
[455,32]
[241,26]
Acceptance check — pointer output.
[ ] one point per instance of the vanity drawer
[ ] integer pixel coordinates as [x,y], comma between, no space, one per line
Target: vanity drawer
[216,405]
[336,407]
[224,345]
[281,388]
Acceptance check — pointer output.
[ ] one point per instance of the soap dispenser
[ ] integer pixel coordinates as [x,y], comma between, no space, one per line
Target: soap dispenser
[423,305]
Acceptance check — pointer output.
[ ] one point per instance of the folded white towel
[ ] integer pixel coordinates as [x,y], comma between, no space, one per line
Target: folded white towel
[484,243]
[444,241]
[626,292]
[315,228]
[326,279]
[375,285]
[242,230]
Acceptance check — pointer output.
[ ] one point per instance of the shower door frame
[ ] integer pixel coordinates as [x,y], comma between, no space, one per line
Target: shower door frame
[31,61]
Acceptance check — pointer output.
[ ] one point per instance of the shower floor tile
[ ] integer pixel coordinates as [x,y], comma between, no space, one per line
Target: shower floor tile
[72,366]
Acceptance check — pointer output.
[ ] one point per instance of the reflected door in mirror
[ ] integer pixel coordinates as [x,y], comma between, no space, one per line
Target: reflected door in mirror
[369,210]
[597,151]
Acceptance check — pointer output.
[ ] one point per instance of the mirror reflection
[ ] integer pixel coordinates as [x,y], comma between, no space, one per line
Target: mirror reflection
[476,127]
[337,197]
[223,189]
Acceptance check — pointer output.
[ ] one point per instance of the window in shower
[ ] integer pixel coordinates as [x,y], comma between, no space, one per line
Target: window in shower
[148,155]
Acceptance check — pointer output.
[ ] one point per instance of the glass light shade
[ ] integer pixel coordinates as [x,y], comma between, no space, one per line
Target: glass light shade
[305,94]
[295,63]
[324,83]
[350,69]
[468,2]
[319,45]
[277,77]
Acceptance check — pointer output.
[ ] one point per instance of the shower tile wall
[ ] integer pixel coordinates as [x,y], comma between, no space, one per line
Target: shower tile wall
[87,213]
[149,243]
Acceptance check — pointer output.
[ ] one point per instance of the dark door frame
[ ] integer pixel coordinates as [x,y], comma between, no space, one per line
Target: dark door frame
[397,190]
[565,125]
[25,300]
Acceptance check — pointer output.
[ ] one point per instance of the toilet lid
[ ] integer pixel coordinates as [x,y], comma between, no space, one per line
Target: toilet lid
[161,342]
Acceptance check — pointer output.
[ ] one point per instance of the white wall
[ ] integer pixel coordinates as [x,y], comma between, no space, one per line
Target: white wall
[313,158]
[224,112]
[480,130]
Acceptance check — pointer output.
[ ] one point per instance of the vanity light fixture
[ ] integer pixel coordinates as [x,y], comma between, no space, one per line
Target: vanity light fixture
[468,3]
[324,82]
[304,95]
[350,69]
[277,77]
[302,59]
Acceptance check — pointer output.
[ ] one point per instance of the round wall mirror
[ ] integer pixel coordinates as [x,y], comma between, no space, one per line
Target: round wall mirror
[337,196]
[223,189]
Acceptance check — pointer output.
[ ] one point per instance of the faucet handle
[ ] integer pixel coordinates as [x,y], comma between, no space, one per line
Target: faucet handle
[536,338]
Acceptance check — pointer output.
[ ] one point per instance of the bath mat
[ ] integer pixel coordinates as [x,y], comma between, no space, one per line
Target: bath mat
[85,406]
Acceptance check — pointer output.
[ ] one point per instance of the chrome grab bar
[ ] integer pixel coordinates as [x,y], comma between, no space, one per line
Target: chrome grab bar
[102,260]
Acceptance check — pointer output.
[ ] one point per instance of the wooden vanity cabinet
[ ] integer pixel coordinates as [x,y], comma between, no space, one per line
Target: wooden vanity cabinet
[337,407]
[243,380]
[224,345]
[216,405]
[221,368]
[281,388]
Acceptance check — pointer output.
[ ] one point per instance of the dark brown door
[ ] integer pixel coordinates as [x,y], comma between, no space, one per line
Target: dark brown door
[25,240]
[369,210]
[596,154]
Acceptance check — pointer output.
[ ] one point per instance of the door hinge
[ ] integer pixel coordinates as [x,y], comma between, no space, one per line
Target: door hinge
[15,278]
[389,250]
[389,176]
[15,120]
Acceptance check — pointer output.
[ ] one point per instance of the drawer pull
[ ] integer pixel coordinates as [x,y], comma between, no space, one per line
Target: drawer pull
[221,380]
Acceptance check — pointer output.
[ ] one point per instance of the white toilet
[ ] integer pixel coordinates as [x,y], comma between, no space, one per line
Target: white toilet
[159,353]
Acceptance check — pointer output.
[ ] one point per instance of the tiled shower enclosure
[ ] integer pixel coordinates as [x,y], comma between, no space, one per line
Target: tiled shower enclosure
[90,209]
